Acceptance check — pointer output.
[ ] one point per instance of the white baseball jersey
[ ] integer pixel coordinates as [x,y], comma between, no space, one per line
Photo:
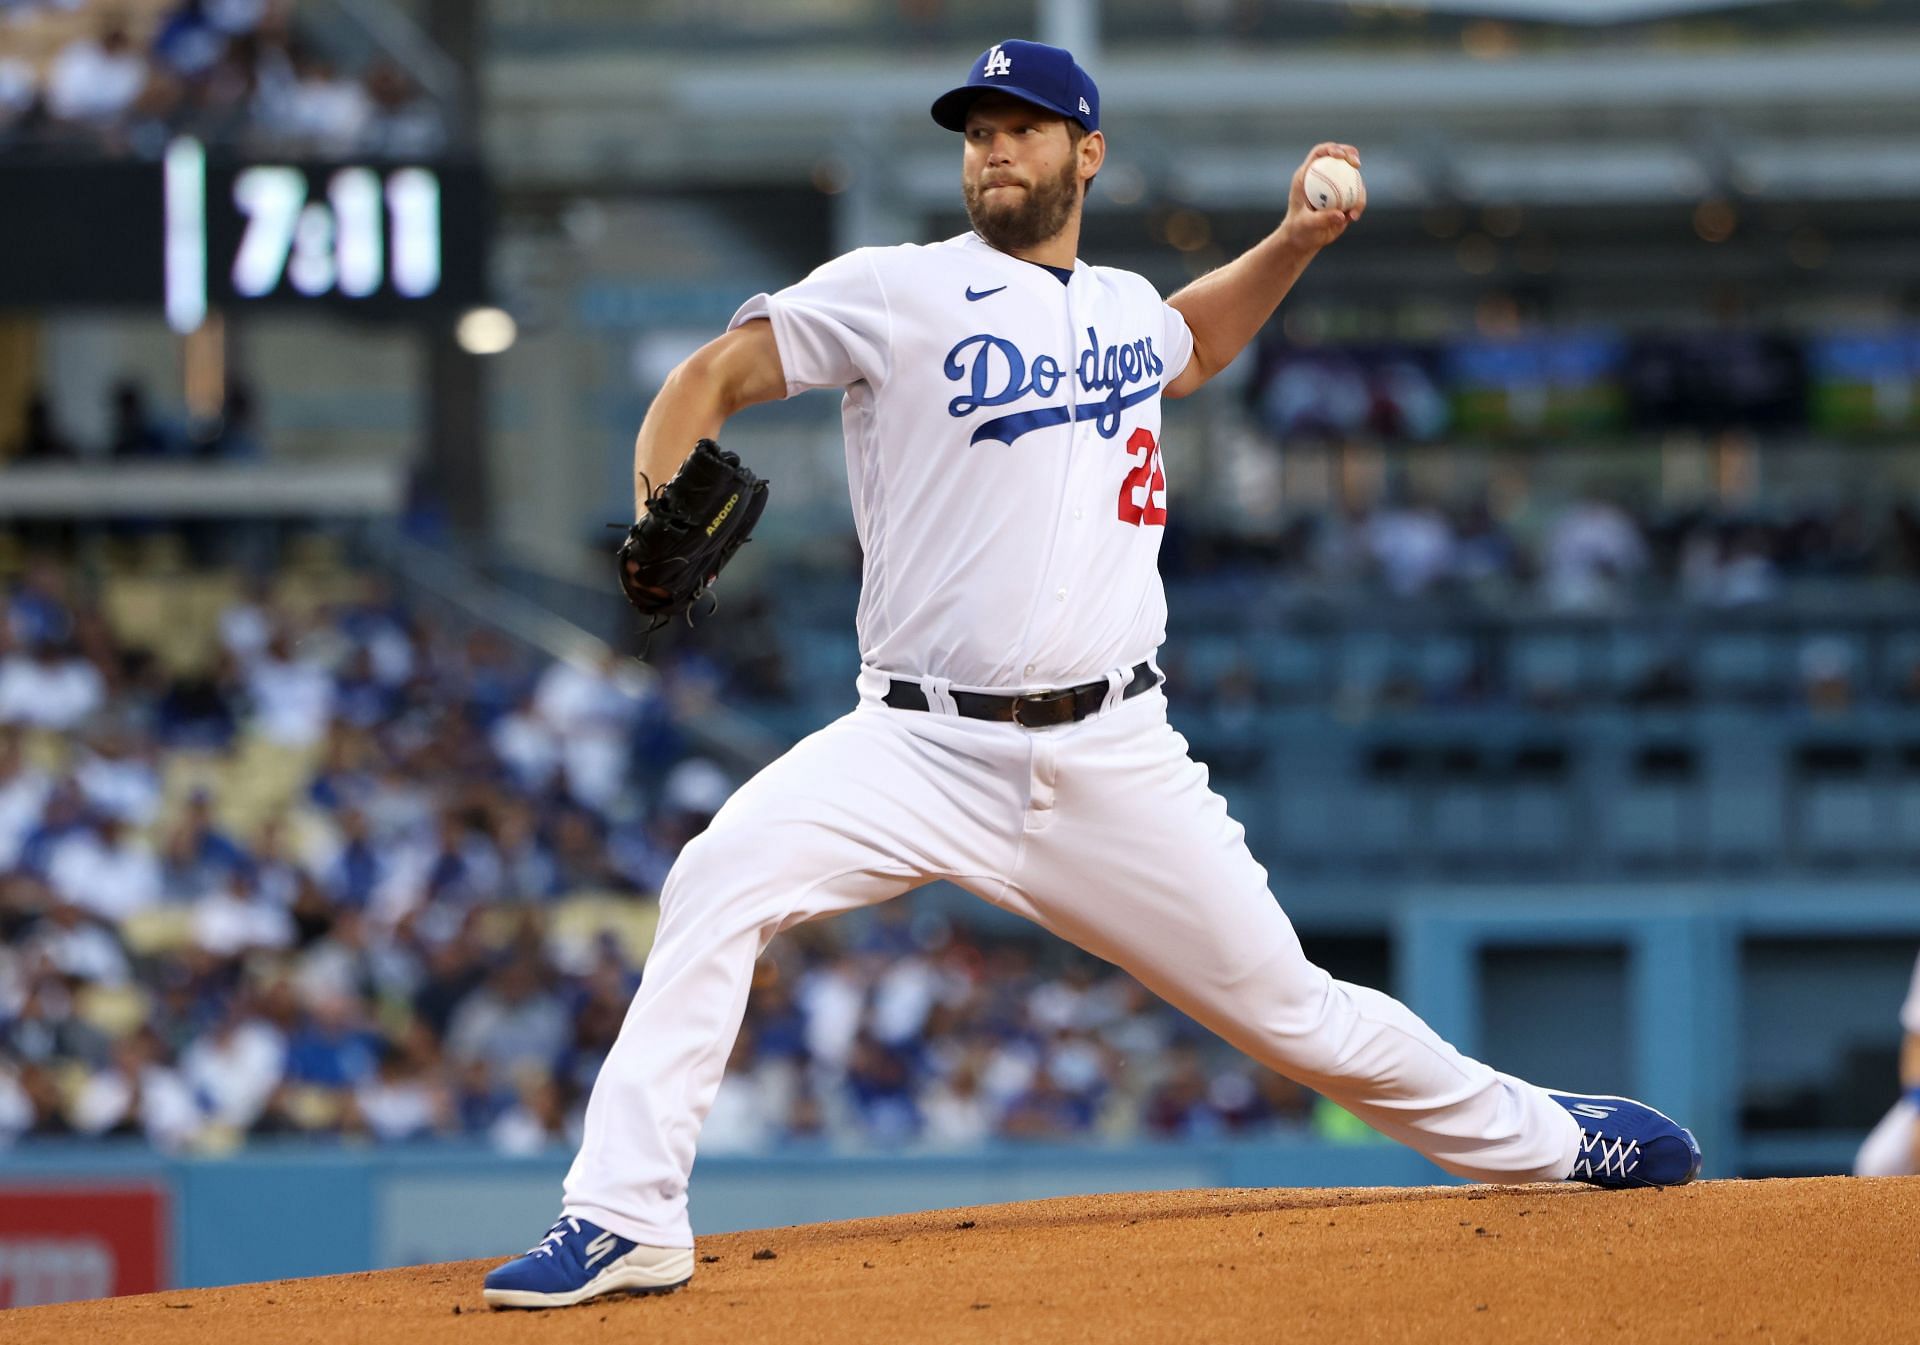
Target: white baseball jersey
[1003,451]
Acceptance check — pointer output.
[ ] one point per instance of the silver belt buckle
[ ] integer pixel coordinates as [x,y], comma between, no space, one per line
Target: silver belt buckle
[1051,699]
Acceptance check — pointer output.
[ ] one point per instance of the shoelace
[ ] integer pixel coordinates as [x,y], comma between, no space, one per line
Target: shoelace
[555,1236]
[1601,1157]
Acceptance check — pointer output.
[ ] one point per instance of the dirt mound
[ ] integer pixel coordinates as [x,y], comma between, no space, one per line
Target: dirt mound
[1824,1259]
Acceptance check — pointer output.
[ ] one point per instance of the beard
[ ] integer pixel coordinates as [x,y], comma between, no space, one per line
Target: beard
[1027,222]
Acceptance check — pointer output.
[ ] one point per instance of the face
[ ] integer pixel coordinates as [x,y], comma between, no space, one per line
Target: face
[1020,174]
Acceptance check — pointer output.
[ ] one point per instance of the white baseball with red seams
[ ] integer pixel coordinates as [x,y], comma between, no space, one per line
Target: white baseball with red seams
[1332,184]
[1005,460]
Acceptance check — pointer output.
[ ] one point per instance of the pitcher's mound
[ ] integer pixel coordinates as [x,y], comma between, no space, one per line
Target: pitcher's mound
[1824,1259]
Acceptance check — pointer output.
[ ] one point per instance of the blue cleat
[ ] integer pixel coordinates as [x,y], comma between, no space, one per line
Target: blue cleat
[1625,1144]
[577,1261]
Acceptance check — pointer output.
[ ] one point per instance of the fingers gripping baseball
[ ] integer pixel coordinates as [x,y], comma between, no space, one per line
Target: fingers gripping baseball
[1318,227]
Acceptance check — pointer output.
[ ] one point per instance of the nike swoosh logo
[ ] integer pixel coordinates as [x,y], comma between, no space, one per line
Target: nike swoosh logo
[975,297]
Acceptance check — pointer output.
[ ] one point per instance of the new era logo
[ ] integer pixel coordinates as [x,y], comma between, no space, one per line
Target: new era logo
[1085,111]
[998,63]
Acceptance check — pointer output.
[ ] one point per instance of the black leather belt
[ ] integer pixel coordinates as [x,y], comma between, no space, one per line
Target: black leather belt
[1030,712]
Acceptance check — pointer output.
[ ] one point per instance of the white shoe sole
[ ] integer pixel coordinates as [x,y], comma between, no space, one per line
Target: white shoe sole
[662,1270]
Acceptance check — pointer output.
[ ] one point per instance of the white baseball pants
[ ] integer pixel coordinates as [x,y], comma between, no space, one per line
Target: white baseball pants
[1103,832]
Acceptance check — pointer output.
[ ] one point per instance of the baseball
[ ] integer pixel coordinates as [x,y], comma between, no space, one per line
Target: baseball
[1332,184]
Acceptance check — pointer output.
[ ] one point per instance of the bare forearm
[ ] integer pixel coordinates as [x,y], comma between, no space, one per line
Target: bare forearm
[1910,1061]
[725,376]
[1225,308]
[688,409]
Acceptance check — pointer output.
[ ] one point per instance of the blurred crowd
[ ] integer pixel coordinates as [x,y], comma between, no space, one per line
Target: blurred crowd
[338,813]
[905,1028]
[360,877]
[136,430]
[1593,554]
[124,79]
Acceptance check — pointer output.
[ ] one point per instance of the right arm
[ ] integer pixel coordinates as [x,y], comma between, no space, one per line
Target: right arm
[730,373]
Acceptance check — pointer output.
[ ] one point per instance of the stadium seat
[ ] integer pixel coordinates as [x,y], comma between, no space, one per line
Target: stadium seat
[157,930]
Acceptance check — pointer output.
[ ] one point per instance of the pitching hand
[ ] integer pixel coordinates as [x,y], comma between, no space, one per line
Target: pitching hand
[1314,229]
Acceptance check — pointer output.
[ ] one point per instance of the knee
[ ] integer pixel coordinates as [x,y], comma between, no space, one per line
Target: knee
[708,870]
[725,876]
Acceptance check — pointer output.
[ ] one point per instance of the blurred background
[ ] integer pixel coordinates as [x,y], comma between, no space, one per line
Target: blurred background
[1544,587]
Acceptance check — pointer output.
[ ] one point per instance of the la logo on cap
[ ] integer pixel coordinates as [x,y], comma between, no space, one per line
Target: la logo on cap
[999,63]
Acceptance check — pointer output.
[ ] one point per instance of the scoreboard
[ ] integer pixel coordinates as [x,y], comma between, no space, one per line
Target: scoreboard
[198,230]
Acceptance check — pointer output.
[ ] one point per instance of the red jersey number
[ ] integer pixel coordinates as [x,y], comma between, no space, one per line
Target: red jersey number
[1143,495]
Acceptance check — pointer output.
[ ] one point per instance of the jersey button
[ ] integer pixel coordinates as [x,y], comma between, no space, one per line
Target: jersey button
[1029,670]
[1060,595]
[1079,513]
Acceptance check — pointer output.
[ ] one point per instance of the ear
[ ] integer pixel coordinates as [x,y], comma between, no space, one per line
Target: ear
[1093,154]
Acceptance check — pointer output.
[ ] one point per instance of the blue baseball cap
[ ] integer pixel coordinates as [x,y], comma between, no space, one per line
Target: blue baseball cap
[1030,71]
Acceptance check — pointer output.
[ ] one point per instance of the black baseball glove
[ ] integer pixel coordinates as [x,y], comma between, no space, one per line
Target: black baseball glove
[692,527]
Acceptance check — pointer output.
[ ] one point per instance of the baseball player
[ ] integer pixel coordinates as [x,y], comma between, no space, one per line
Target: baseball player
[1002,420]
[1893,1147]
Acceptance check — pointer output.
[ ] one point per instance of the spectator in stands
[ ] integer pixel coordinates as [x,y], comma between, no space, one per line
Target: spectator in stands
[325,108]
[1594,553]
[105,868]
[187,46]
[1180,1106]
[41,439]
[240,18]
[511,1022]
[331,1050]
[19,96]
[195,712]
[879,1084]
[236,1066]
[1826,676]
[957,1113]
[73,942]
[1412,547]
[535,1121]
[527,746]
[49,686]
[233,918]
[196,855]
[135,432]
[405,1099]
[18,1114]
[746,1114]
[235,436]
[24,791]
[118,772]
[96,81]
[292,696]
[405,124]
[592,706]
[40,607]
[139,1093]
[63,814]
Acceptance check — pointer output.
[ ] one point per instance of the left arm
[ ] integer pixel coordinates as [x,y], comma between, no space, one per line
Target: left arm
[1224,308]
